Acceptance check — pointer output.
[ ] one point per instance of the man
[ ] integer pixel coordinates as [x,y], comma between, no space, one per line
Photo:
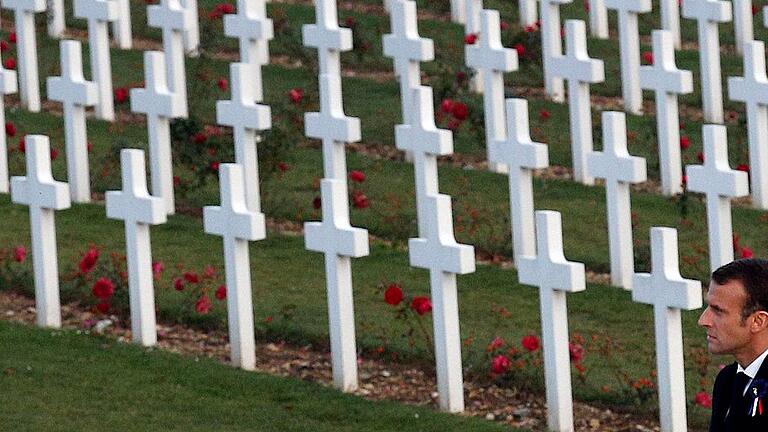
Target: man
[736,320]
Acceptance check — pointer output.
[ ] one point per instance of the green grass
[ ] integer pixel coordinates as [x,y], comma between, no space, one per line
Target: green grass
[63,381]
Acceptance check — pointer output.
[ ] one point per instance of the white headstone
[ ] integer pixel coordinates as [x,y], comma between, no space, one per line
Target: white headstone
[75,94]
[192,33]
[752,89]
[555,276]
[56,19]
[708,14]
[670,20]
[629,42]
[719,183]
[121,28]
[472,26]
[237,225]
[580,71]
[407,49]
[552,47]
[138,209]
[528,12]
[742,23]
[598,19]
[668,292]
[667,82]
[326,35]
[254,30]
[175,22]
[160,105]
[458,12]
[26,48]
[99,14]
[436,249]
[492,60]
[43,195]
[521,155]
[8,85]
[620,170]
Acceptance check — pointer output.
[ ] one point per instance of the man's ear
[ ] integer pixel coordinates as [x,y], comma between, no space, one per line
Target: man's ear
[760,321]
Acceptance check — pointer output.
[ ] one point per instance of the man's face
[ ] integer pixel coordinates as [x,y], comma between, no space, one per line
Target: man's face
[726,332]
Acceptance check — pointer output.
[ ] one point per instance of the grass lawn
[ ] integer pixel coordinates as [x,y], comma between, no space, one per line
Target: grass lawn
[62,381]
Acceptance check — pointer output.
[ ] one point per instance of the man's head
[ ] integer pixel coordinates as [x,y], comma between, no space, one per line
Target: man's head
[736,317]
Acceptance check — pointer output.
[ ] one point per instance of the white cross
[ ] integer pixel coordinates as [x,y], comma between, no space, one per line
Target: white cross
[598,19]
[8,85]
[160,105]
[192,33]
[708,13]
[436,249]
[492,60]
[555,276]
[719,183]
[254,30]
[26,48]
[458,14]
[619,169]
[56,19]
[667,82]
[237,226]
[668,292]
[339,241]
[522,155]
[752,89]
[742,23]
[528,13]
[670,20]
[174,21]
[580,71]
[407,49]
[472,25]
[75,93]
[246,118]
[99,14]
[138,209]
[43,195]
[121,28]
[629,40]
[552,47]
[326,35]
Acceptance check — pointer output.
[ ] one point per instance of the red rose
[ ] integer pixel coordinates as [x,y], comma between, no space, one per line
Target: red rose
[700,157]
[576,351]
[743,167]
[747,252]
[470,39]
[460,111]
[178,284]
[88,262]
[191,277]
[529,28]
[421,305]
[22,145]
[360,201]
[317,203]
[500,364]
[157,269]
[215,166]
[103,288]
[446,106]
[357,176]
[19,254]
[3,46]
[735,238]
[10,129]
[221,292]
[176,180]
[648,57]
[544,115]
[103,307]
[89,146]
[9,63]
[703,399]
[283,167]
[223,84]
[54,154]
[199,138]
[755,9]
[531,343]
[12,37]
[393,295]
[684,180]
[503,25]
[495,344]
[520,48]
[203,304]
[685,142]
[296,94]
[121,95]
[209,272]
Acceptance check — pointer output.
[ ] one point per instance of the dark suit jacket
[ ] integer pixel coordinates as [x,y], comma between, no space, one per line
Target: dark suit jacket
[725,421]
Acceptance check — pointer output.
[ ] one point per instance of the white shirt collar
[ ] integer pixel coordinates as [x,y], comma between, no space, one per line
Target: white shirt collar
[753,367]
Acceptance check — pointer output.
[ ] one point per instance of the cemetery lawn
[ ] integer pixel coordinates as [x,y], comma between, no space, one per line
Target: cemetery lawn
[63,381]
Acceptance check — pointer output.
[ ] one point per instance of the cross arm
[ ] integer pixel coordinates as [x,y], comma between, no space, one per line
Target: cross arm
[440,251]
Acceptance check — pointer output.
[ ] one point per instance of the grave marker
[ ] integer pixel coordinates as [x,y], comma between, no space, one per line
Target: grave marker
[254,31]
[528,12]
[175,22]
[742,23]
[458,13]
[670,20]
[121,28]
[629,41]
[552,47]
[56,22]
[8,85]
[473,25]
[598,19]
[326,35]
[26,48]
[99,14]
[192,33]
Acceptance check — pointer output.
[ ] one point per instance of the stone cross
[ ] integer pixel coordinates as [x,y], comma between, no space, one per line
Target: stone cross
[26,48]
[719,183]
[326,35]
[458,13]
[436,249]
[742,23]
[138,209]
[580,71]
[75,94]
[668,292]
[237,225]
[121,28]
[598,19]
[492,60]
[254,31]
[56,19]
[670,20]
[339,241]
[99,14]
[175,22]
[43,195]
[160,105]
[552,47]
[620,170]
[752,89]
[473,25]
[629,39]
[708,14]
[407,49]
[555,276]
[8,85]
[528,13]
[521,155]
[246,118]
[192,33]
[667,82]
